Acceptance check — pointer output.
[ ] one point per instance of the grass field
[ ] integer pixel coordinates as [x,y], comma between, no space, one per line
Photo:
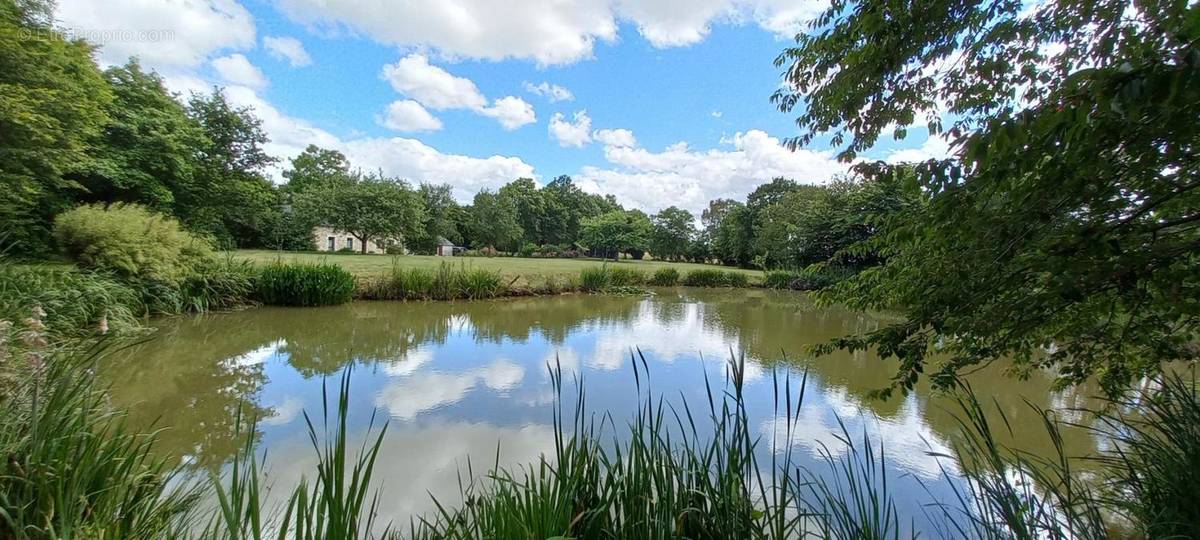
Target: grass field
[373,265]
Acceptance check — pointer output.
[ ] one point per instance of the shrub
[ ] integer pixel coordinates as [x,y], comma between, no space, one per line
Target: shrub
[130,241]
[303,284]
[716,278]
[665,277]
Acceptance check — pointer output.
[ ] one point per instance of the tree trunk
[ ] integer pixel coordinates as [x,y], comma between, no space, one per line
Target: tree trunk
[362,241]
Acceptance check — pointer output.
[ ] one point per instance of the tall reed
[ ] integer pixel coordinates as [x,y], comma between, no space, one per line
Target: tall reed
[304,284]
[70,468]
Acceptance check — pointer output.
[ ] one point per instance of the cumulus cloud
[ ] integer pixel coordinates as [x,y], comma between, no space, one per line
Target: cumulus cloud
[395,156]
[408,115]
[549,33]
[934,147]
[287,48]
[236,69]
[576,132]
[437,89]
[419,162]
[163,34]
[615,137]
[512,112]
[552,92]
[690,178]
[431,85]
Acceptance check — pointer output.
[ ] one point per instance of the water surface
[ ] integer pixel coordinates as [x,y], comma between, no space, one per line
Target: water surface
[454,380]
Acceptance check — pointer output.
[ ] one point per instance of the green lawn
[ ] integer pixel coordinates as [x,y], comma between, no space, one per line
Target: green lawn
[367,265]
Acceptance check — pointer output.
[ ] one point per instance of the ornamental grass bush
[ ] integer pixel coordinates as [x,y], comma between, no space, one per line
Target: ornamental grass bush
[130,241]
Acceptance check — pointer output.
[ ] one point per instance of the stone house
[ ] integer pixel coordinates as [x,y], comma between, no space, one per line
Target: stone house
[329,239]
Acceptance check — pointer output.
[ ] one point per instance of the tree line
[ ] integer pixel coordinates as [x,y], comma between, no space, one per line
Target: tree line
[72,134]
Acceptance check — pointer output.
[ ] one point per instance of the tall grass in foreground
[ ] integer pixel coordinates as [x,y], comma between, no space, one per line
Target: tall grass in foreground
[68,468]
[337,503]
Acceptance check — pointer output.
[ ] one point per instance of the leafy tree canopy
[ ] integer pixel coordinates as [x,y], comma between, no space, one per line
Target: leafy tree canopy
[371,208]
[316,166]
[672,233]
[494,222]
[53,102]
[147,151]
[1064,233]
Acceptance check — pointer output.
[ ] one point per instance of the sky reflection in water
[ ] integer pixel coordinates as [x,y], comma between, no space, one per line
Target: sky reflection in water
[455,379]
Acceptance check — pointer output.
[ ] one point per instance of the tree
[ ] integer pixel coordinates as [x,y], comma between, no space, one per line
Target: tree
[53,103]
[316,166]
[493,222]
[441,216]
[1064,230]
[147,152]
[369,208]
[672,233]
[616,232]
[567,207]
[524,195]
[733,241]
[771,192]
[233,199]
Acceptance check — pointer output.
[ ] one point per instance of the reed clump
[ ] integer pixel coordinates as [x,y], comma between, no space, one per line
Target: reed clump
[446,283]
[716,278]
[304,284]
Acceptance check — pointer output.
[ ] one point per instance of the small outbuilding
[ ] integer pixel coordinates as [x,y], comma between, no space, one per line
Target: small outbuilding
[446,248]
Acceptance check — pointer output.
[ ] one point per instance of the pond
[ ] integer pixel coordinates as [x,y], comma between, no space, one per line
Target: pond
[454,380]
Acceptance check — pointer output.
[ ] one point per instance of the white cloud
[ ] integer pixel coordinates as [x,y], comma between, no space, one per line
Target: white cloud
[437,89]
[236,69]
[673,23]
[408,115]
[162,33]
[396,156]
[545,31]
[716,114]
[409,396]
[552,92]
[615,137]
[690,178]
[934,147]
[287,48]
[571,133]
[431,85]
[419,162]
[512,112]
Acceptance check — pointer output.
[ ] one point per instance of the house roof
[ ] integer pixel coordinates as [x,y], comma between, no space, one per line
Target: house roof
[442,241]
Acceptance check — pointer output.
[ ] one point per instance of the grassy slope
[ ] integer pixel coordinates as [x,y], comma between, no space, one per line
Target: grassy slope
[368,265]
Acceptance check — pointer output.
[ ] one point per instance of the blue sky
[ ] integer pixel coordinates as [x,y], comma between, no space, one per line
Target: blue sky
[659,102]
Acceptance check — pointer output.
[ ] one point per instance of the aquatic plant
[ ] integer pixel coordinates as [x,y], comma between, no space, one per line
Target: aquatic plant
[70,468]
[76,302]
[716,278]
[303,284]
[664,277]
